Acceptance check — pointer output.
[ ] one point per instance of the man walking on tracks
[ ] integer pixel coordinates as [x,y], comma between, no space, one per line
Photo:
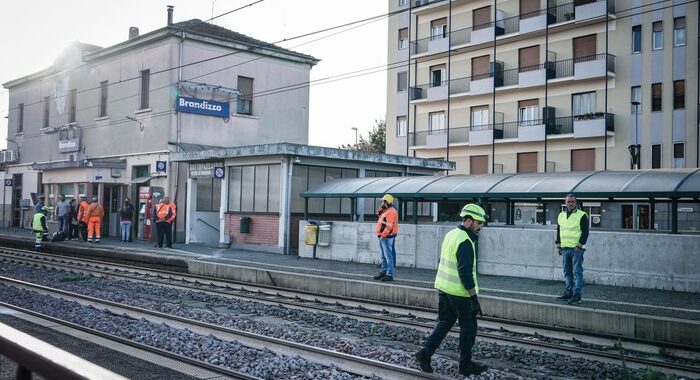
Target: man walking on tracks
[572,234]
[457,287]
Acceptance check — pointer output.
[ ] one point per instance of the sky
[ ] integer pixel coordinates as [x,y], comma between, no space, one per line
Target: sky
[35,31]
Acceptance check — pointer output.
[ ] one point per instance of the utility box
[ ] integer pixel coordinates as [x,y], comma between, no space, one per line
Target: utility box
[245,225]
[324,234]
[310,234]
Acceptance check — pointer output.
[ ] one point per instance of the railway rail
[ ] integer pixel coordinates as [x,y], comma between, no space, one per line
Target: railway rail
[418,318]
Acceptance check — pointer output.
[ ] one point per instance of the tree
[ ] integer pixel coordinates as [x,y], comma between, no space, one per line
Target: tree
[376,141]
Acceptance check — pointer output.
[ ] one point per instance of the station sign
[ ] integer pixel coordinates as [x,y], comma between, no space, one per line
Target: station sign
[202,107]
[69,145]
[206,169]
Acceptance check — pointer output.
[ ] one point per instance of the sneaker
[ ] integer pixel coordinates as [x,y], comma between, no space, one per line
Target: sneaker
[473,368]
[424,362]
[565,297]
[575,300]
[379,276]
[388,278]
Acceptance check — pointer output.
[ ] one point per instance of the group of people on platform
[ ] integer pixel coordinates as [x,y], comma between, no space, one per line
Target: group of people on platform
[456,279]
[84,221]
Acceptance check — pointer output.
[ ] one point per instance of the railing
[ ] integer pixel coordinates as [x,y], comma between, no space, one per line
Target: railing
[417,138]
[459,135]
[564,12]
[205,222]
[510,24]
[510,77]
[460,85]
[461,36]
[559,125]
[609,119]
[510,130]
[418,92]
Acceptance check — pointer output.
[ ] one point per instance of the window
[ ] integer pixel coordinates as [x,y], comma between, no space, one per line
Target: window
[103,99]
[637,39]
[678,94]
[528,58]
[479,118]
[636,96]
[20,118]
[438,28]
[401,126]
[403,3]
[145,88]
[656,156]
[208,194]
[657,36]
[47,109]
[656,97]
[403,38]
[679,155]
[255,188]
[437,75]
[679,31]
[527,162]
[585,48]
[479,164]
[582,160]
[481,18]
[582,104]
[244,104]
[528,110]
[401,81]
[480,67]
[529,8]
[437,123]
[72,105]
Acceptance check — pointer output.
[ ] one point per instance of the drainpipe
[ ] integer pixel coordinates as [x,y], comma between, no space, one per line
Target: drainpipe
[605,130]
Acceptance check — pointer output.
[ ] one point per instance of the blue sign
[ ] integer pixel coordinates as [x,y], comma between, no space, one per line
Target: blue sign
[8,181]
[202,107]
[161,166]
[219,172]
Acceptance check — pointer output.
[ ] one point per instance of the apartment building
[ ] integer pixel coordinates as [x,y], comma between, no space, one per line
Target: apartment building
[544,85]
[104,121]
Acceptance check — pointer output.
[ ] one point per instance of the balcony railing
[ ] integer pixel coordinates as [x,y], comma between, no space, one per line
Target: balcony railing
[459,135]
[609,119]
[460,85]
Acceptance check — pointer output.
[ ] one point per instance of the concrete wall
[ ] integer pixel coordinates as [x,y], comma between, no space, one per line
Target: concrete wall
[660,261]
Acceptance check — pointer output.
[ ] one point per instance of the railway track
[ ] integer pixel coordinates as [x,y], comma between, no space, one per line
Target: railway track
[414,318]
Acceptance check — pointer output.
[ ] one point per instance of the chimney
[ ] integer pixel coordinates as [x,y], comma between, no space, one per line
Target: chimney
[133,32]
[170,15]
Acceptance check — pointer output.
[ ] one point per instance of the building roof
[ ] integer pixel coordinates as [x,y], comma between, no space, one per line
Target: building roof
[299,150]
[644,184]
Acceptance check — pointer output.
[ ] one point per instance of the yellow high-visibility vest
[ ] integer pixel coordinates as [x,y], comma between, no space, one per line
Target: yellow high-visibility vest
[36,222]
[570,228]
[447,279]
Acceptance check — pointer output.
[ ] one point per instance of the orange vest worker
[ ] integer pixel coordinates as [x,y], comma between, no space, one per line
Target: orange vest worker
[94,214]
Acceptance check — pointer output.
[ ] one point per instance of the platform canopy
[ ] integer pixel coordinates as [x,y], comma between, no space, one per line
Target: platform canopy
[645,184]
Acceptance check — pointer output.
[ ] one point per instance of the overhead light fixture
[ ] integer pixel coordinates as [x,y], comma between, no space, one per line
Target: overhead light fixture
[136,120]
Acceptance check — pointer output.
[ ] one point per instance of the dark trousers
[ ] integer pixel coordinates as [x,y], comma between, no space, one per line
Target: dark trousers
[450,309]
[164,231]
[83,230]
[73,230]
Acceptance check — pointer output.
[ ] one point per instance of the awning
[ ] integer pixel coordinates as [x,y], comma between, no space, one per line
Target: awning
[142,179]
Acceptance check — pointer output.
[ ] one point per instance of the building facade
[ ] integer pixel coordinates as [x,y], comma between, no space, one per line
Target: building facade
[104,121]
[523,86]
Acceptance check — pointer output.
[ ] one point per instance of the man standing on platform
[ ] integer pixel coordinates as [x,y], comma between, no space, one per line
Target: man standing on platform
[95,213]
[163,218]
[82,218]
[457,287]
[63,214]
[572,234]
[387,228]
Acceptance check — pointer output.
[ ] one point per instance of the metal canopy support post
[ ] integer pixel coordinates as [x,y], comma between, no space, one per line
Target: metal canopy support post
[353,214]
[674,215]
[306,208]
[509,212]
[415,211]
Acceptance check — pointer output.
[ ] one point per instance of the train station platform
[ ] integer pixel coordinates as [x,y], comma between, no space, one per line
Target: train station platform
[647,314]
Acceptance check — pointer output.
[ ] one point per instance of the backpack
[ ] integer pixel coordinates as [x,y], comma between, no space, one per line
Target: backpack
[58,236]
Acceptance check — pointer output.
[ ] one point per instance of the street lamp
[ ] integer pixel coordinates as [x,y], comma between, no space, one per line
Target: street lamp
[636,148]
[355,129]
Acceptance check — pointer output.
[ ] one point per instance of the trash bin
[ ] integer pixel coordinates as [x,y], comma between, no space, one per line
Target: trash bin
[324,234]
[245,224]
[310,234]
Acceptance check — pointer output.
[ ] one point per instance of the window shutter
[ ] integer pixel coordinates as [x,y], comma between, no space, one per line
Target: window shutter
[582,160]
[584,46]
[527,162]
[528,57]
[479,164]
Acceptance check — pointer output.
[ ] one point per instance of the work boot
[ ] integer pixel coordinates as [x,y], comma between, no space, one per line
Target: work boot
[379,276]
[473,368]
[564,297]
[388,278]
[424,362]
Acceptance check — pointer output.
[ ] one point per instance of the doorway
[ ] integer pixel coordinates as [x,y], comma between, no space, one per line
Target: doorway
[636,216]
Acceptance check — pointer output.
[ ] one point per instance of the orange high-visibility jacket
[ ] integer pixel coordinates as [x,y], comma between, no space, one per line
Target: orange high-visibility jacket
[163,213]
[95,210]
[173,208]
[388,223]
[82,211]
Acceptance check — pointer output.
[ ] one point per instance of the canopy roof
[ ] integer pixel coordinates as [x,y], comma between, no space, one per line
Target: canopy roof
[657,183]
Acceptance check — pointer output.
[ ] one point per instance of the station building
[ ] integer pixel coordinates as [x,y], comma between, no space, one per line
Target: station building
[519,86]
[105,121]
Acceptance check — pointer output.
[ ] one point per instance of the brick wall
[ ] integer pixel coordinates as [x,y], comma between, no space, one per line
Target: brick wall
[264,229]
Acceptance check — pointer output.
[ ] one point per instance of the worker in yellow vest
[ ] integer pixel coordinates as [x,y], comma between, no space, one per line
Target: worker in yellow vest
[39,227]
[572,235]
[457,287]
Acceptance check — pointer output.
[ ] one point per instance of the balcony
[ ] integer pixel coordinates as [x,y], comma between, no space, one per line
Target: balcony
[485,83]
[429,139]
[593,124]
[487,32]
[430,92]
[594,66]
[431,45]
[532,76]
[593,10]
[536,21]
[8,156]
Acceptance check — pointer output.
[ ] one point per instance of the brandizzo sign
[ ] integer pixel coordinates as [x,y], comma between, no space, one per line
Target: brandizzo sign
[201,106]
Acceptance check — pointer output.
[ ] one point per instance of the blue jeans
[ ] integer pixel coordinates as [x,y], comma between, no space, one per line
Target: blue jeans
[386,245]
[64,224]
[573,270]
[451,308]
[126,230]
